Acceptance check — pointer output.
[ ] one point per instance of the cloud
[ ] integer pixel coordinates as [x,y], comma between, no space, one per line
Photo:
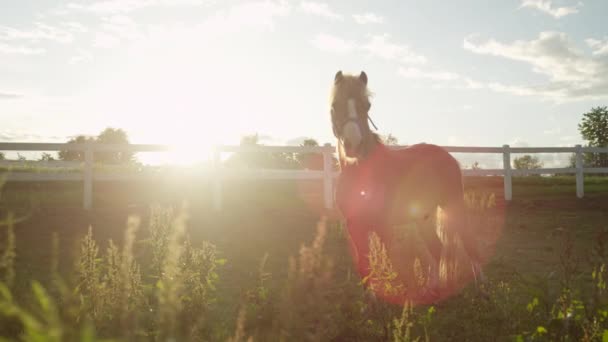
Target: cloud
[105,40]
[416,73]
[19,49]
[548,7]
[519,142]
[40,32]
[599,47]
[327,42]
[122,26]
[125,6]
[26,41]
[75,27]
[261,14]
[9,96]
[115,29]
[81,56]
[22,136]
[553,131]
[319,8]
[572,74]
[368,18]
[380,46]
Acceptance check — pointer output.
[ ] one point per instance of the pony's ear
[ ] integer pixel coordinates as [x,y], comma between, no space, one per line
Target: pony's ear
[363,77]
[338,78]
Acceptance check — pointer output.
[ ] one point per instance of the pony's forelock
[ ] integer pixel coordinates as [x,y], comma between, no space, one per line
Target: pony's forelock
[350,85]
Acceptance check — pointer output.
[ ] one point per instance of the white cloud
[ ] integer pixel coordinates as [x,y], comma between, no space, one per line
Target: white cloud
[23,135]
[599,47]
[570,138]
[548,7]
[121,26]
[19,49]
[40,32]
[572,74]
[553,131]
[81,57]
[380,46]
[368,18]
[26,41]
[321,9]
[115,29]
[8,96]
[75,26]
[326,42]
[125,6]
[260,14]
[416,73]
[105,40]
[518,142]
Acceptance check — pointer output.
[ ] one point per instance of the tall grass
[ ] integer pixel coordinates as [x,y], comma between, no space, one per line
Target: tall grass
[157,284]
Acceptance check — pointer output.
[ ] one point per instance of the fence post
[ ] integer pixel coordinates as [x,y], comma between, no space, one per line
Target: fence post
[580,180]
[217,181]
[88,176]
[328,191]
[508,180]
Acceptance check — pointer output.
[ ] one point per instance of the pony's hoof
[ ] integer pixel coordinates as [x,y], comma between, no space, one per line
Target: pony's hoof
[429,295]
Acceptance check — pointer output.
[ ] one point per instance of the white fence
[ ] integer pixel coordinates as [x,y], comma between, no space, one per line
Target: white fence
[218,174]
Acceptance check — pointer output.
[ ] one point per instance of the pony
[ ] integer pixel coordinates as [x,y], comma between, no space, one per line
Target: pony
[379,188]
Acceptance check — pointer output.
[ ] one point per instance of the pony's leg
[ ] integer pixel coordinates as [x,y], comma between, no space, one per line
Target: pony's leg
[359,238]
[428,233]
[456,223]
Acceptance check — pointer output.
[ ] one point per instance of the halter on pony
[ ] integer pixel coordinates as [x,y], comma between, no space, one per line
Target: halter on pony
[350,111]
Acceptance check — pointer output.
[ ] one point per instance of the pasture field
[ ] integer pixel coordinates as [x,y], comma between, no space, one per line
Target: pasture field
[266,269]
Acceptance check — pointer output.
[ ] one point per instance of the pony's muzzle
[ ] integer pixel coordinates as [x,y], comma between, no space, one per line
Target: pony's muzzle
[352,136]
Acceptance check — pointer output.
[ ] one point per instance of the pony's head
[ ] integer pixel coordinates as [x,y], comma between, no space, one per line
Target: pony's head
[349,115]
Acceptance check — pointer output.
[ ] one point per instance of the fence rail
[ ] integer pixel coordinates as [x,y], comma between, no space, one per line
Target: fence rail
[217,175]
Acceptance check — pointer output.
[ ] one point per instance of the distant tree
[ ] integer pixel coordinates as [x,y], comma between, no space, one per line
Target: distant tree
[310,143]
[267,160]
[594,128]
[311,161]
[2,156]
[527,162]
[46,157]
[115,137]
[72,155]
[250,140]
[107,136]
[475,166]
[589,159]
[21,157]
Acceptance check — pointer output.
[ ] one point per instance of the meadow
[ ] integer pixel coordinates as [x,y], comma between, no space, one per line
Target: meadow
[153,262]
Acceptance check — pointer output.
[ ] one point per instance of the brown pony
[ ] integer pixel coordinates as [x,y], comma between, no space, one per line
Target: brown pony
[380,188]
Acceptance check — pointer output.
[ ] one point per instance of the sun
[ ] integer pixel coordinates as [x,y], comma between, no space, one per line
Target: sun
[190,153]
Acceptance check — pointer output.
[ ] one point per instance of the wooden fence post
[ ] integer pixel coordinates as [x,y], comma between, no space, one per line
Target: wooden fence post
[328,190]
[88,176]
[580,180]
[508,178]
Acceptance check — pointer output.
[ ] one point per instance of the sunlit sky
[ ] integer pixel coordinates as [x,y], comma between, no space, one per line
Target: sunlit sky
[199,72]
